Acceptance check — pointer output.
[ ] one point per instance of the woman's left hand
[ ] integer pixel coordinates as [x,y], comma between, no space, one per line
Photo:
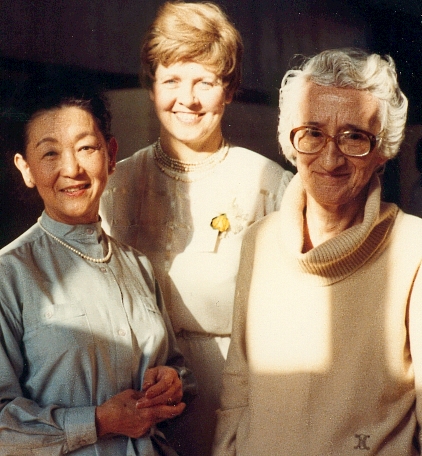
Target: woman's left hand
[162,386]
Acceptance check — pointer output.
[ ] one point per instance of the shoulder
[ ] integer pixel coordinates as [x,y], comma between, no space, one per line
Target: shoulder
[409,227]
[408,221]
[249,157]
[253,166]
[264,230]
[135,158]
[403,241]
[131,166]
[20,260]
[22,245]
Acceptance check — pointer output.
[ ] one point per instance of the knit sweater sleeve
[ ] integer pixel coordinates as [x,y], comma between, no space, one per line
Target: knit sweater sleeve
[415,337]
[234,396]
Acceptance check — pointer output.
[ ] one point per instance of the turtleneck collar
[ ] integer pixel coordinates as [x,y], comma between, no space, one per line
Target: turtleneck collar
[342,255]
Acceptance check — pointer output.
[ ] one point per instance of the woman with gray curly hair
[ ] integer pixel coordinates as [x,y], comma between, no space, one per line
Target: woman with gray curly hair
[351,68]
[326,350]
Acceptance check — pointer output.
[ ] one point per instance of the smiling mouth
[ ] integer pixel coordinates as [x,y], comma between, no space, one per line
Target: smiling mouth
[74,190]
[187,117]
[326,175]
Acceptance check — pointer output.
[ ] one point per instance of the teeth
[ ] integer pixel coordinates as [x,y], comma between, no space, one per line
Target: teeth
[187,116]
[75,189]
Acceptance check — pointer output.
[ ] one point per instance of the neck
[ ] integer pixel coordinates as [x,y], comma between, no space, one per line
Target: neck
[85,219]
[190,152]
[322,223]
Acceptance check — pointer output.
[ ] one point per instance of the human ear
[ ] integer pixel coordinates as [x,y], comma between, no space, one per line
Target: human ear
[25,170]
[381,165]
[151,94]
[382,160]
[113,147]
[229,98]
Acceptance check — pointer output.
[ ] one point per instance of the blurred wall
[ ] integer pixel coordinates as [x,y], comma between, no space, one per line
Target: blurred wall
[99,41]
[105,36]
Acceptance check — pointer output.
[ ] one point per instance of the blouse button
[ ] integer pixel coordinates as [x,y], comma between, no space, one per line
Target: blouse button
[103,269]
[48,314]
[122,332]
[89,231]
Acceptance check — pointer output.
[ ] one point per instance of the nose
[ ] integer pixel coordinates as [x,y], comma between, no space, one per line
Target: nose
[331,156]
[186,95]
[70,166]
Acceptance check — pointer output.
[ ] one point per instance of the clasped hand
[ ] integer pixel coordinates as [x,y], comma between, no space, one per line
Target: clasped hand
[132,413]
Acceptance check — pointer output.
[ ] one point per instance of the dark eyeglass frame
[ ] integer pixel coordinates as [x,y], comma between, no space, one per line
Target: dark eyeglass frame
[373,140]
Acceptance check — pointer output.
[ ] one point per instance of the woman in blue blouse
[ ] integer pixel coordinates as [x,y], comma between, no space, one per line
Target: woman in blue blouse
[88,358]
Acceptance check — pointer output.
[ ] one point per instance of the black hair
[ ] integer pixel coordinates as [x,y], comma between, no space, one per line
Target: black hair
[40,97]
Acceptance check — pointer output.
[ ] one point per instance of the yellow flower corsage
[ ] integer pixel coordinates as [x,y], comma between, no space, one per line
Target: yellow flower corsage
[220,223]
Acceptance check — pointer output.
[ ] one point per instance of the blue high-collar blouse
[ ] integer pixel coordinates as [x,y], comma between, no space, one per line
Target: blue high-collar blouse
[73,333]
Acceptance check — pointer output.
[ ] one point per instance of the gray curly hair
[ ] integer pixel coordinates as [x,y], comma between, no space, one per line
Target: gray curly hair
[349,68]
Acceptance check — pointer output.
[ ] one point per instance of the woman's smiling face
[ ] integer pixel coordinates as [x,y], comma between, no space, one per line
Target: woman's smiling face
[68,160]
[330,177]
[189,101]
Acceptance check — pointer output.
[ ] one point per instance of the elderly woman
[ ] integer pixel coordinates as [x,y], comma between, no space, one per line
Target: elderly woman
[88,358]
[187,200]
[326,352]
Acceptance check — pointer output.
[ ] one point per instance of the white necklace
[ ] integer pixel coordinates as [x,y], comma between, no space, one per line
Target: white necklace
[183,171]
[86,257]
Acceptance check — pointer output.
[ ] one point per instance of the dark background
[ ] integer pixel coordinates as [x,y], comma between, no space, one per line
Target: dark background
[99,40]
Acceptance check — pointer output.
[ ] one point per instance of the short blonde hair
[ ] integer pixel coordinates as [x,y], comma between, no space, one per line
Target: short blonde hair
[198,32]
[350,68]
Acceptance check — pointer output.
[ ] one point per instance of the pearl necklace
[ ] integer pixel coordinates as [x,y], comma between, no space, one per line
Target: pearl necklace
[86,257]
[179,170]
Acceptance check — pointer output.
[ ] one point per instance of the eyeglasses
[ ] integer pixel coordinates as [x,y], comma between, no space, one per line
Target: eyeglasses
[355,143]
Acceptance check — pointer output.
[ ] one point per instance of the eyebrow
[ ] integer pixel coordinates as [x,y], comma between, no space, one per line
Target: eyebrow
[165,76]
[312,124]
[44,140]
[54,140]
[198,77]
[347,126]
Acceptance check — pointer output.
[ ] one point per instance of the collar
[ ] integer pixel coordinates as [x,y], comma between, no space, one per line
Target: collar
[90,233]
[341,256]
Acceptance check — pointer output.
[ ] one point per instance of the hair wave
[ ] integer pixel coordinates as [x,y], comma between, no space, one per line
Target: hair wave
[347,68]
[198,32]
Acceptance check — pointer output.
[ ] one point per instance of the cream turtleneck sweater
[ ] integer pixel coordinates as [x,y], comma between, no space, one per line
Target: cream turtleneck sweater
[326,351]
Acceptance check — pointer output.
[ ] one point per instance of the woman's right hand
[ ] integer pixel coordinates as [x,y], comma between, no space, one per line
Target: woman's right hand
[119,415]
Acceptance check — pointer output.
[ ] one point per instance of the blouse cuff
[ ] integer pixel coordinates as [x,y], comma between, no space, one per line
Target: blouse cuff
[79,426]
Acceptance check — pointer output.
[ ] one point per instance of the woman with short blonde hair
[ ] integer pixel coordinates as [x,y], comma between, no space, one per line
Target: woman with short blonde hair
[186,200]
[197,32]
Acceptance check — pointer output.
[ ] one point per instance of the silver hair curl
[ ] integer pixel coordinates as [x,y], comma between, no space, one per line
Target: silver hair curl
[348,68]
